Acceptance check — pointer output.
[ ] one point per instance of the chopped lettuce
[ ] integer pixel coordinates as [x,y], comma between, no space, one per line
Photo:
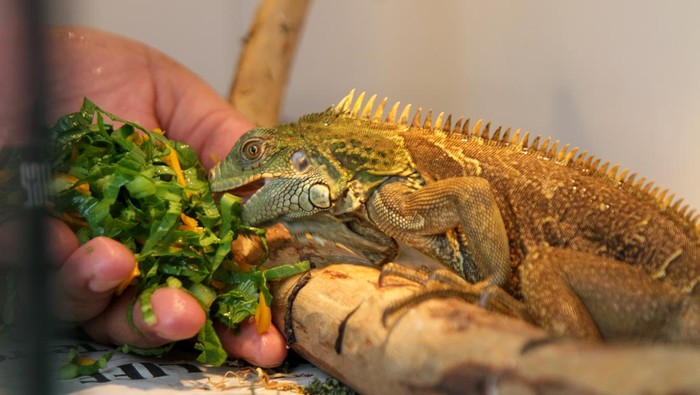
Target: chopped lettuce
[151,194]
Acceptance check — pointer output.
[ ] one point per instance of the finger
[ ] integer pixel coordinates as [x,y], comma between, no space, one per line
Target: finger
[89,276]
[62,241]
[223,135]
[210,125]
[178,316]
[192,112]
[266,350]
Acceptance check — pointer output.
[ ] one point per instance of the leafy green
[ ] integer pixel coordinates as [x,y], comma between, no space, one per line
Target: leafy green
[146,352]
[329,386]
[209,344]
[77,366]
[151,194]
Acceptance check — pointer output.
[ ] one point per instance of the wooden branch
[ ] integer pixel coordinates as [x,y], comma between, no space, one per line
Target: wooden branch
[263,67]
[332,316]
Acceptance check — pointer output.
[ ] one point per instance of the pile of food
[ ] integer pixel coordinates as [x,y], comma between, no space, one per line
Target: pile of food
[151,194]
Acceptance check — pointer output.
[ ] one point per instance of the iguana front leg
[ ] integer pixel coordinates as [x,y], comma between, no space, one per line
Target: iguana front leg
[587,296]
[426,219]
[351,232]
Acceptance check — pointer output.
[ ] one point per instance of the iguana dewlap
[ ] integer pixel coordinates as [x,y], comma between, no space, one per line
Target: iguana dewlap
[591,251]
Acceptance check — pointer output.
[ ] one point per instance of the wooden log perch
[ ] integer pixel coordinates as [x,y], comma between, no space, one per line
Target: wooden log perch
[332,316]
[447,346]
[264,65]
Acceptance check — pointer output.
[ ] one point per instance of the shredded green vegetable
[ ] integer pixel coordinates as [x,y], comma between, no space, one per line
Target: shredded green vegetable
[329,386]
[76,366]
[151,194]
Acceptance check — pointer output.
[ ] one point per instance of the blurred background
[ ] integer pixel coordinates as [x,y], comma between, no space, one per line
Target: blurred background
[617,78]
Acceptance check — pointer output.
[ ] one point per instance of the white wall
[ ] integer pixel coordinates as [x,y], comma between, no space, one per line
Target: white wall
[618,78]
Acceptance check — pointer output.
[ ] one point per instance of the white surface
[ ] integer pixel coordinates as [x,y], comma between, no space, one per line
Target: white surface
[617,78]
[133,374]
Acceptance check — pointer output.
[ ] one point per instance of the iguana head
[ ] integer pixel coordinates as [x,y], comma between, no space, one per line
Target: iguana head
[327,161]
[296,184]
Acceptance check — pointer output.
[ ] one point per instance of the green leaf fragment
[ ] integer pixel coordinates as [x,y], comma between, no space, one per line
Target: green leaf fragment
[77,366]
[146,352]
[208,343]
[173,282]
[329,386]
[204,294]
[149,317]
[238,304]
[140,187]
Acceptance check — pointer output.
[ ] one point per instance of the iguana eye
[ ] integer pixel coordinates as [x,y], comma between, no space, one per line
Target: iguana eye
[299,161]
[252,149]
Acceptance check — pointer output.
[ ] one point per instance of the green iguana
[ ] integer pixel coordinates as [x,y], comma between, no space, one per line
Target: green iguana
[590,252]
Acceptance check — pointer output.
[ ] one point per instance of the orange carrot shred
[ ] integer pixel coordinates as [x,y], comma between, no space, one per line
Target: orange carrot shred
[263,315]
[125,283]
[172,160]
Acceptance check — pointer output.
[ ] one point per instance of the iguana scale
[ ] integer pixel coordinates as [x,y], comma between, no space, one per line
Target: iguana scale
[590,251]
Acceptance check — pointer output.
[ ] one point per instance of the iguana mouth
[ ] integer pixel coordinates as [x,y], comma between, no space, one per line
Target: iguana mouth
[243,188]
[245,191]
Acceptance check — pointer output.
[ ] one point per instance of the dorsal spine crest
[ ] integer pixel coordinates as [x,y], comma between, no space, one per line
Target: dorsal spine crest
[587,164]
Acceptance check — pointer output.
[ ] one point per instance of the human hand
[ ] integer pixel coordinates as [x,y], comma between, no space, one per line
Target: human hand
[140,84]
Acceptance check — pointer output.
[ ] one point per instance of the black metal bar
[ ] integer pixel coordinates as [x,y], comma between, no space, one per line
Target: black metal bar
[34,174]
